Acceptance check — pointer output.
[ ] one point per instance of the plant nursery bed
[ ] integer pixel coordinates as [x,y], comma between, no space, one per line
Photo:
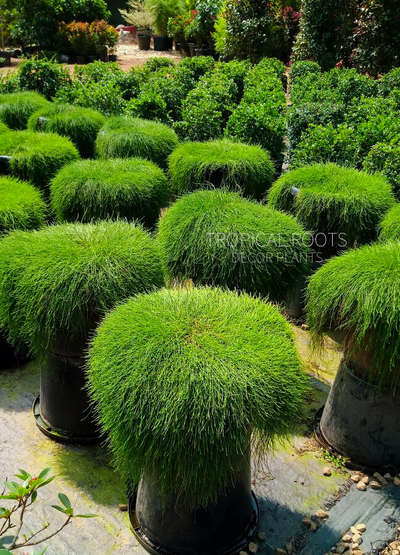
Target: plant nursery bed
[291,486]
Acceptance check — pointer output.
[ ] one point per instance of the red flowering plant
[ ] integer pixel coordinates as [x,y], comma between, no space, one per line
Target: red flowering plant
[202,22]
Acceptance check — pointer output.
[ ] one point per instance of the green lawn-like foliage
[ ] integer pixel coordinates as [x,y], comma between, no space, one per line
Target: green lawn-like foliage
[221,163]
[80,125]
[390,225]
[21,206]
[182,377]
[16,108]
[125,137]
[3,127]
[358,295]
[130,188]
[333,199]
[220,238]
[59,281]
[36,157]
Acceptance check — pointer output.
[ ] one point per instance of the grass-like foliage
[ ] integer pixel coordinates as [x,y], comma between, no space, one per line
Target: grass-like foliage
[181,379]
[130,188]
[81,125]
[21,206]
[16,108]
[358,295]
[3,127]
[220,238]
[221,163]
[37,157]
[59,281]
[390,225]
[125,137]
[333,199]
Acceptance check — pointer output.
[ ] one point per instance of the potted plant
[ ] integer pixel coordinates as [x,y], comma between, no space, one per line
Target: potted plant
[56,285]
[355,297]
[139,15]
[176,31]
[185,382]
[162,10]
[201,28]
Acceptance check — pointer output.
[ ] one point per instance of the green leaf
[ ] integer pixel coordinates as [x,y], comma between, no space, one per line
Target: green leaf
[10,496]
[64,500]
[23,474]
[58,509]
[44,473]
[5,552]
[41,484]
[86,516]
[34,496]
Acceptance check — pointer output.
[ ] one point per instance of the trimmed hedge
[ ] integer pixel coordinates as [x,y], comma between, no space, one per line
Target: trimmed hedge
[221,163]
[21,206]
[124,137]
[334,200]
[390,225]
[60,281]
[16,108]
[219,238]
[385,158]
[80,125]
[37,157]
[300,69]
[193,367]
[90,190]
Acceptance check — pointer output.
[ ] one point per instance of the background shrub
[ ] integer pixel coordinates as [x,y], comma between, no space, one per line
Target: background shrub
[16,108]
[62,279]
[385,158]
[80,125]
[21,206]
[124,137]
[43,76]
[300,69]
[219,238]
[390,225]
[147,402]
[221,163]
[90,190]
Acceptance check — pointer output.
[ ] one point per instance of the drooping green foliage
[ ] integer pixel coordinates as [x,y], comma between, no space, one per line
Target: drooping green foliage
[58,282]
[80,125]
[130,188]
[219,238]
[390,225]
[37,157]
[124,137]
[21,206]
[193,367]
[358,295]
[221,163]
[3,127]
[334,200]
[16,108]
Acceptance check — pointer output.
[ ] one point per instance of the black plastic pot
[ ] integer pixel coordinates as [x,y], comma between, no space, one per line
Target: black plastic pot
[5,164]
[162,43]
[167,528]
[143,41]
[361,422]
[63,411]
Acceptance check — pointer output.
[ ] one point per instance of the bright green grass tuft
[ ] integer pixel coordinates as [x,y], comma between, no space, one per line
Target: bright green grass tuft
[125,137]
[80,125]
[16,108]
[89,190]
[333,199]
[221,163]
[59,281]
[21,206]
[220,238]
[182,377]
[3,127]
[358,295]
[37,157]
[390,225]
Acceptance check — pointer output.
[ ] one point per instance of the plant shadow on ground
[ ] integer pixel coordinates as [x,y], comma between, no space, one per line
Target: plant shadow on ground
[19,386]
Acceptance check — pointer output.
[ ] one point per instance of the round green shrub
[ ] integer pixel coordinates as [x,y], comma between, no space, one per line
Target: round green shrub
[21,206]
[334,200]
[130,188]
[60,281]
[220,238]
[385,158]
[193,367]
[125,137]
[221,163]
[300,69]
[357,294]
[390,225]
[80,125]
[17,108]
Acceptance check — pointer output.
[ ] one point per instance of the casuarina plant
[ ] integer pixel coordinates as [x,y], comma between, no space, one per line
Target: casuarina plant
[21,206]
[125,137]
[80,125]
[130,188]
[390,225]
[16,108]
[219,238]
[3,127]
[203,368]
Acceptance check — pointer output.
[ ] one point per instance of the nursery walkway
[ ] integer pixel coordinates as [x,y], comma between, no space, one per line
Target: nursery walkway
[290,486]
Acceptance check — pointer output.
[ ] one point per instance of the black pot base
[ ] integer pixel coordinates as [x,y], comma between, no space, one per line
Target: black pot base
[59,437]
[159,550]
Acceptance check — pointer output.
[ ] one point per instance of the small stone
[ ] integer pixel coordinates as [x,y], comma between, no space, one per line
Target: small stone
[327,471]
[304,327]
[321,514]
[360,527]
[396,480]
[361,486]
[346,538]
[365,479]
[261,536]
[355,478]
[356,539]
[341,547]
[280,551]
[394,545]
[395,552]
[243,553]
[253,547]
[379,478]
[123,507]
[353,530]
[388,477]
[375,484]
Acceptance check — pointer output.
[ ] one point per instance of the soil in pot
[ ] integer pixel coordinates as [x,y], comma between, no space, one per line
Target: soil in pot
[143,41]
